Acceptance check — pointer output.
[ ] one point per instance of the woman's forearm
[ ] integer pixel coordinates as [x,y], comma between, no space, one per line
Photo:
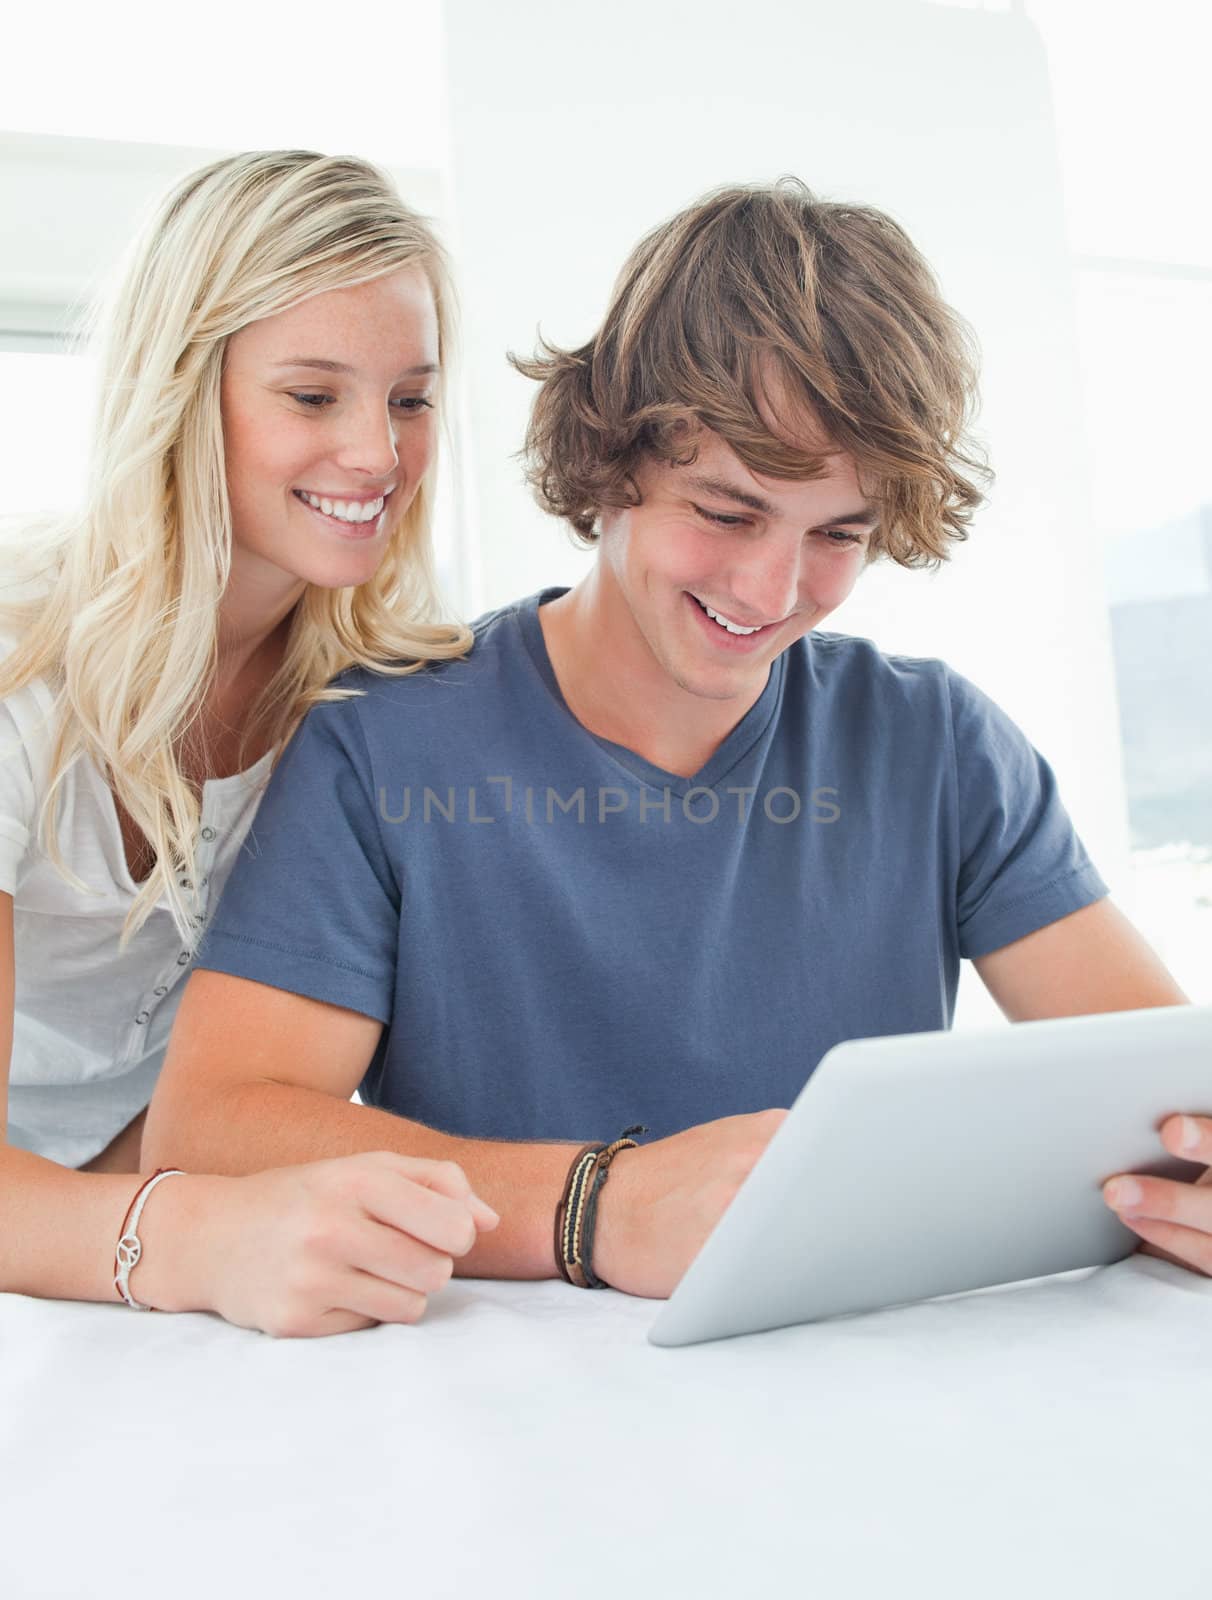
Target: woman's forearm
[59,1229]
[256,1125]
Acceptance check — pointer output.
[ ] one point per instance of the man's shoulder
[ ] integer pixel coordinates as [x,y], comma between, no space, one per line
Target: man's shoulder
[849,667]
[859,689]
[464,691]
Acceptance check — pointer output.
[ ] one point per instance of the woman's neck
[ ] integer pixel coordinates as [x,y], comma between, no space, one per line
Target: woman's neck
[253,612]
[254,630]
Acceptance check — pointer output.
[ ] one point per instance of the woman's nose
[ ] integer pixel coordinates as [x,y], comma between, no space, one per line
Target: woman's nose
[369,443]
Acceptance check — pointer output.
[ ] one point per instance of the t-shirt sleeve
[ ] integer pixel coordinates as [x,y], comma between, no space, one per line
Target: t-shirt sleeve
[26,738]
[18,803]
[312,904]
[1022,864]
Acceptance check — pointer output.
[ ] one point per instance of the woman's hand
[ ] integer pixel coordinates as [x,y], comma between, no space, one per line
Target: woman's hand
[302,1251]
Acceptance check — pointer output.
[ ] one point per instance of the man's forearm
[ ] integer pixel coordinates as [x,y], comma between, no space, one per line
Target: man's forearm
[258,1125]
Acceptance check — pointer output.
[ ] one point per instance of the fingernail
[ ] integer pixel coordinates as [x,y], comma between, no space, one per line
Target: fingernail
[1188,1133]
[1124,1192]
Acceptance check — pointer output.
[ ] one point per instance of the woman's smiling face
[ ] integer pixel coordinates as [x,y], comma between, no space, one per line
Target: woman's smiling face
[330,405]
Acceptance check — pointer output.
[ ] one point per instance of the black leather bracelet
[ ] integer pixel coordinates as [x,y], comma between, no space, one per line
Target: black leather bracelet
[570,1215]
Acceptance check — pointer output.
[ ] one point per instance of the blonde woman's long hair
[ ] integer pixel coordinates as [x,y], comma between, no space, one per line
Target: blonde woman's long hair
[117,603]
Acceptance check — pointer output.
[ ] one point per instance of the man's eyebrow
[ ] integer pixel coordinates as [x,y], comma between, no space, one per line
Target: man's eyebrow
[321,365]
[868,517]
[865,517]
[730,491]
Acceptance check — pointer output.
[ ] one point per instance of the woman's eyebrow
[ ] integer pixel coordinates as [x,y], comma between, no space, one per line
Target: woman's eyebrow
[322,365]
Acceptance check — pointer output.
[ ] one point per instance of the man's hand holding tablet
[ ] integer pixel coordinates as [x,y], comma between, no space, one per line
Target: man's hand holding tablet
[927,1164]
[1174,1219]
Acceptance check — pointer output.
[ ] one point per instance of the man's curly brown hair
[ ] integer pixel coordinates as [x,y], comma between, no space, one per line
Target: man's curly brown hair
[758,297]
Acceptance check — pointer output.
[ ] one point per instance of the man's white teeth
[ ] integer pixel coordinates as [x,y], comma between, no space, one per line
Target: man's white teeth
[733,627]
[346,510]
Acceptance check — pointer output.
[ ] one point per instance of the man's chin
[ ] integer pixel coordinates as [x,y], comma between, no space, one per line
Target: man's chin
[723,683]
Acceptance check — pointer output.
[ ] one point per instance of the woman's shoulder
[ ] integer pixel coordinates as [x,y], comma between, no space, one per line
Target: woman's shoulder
[29,708]
[27,716]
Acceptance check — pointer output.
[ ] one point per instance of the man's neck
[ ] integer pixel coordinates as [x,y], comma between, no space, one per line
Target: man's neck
[617,689]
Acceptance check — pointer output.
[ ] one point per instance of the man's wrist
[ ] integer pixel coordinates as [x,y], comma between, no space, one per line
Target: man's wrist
[611,1247]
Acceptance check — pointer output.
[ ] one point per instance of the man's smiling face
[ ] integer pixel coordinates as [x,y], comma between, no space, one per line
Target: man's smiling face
[721,568]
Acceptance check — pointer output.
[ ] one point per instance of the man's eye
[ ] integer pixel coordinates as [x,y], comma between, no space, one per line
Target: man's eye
[840,537]
[720,518]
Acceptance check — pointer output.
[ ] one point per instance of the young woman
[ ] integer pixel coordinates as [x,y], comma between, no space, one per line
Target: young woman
[256,519]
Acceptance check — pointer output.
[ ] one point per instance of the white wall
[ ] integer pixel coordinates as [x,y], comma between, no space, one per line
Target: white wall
[68,207]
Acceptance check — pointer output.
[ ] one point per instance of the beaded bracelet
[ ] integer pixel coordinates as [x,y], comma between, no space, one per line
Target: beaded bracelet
[569,1214]
[576,1214]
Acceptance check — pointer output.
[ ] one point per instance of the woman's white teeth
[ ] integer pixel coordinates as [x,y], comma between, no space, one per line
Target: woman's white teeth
[733,627]
[345,510]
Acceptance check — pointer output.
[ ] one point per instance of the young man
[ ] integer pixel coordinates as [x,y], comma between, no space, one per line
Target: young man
[658,843]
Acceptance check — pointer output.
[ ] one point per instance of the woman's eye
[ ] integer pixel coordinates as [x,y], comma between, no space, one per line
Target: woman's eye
[407,403]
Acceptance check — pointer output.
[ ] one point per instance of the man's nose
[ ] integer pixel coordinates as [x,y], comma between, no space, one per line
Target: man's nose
[768,585]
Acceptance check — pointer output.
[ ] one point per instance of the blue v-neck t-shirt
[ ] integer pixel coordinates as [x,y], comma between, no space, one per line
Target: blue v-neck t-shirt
[562,939]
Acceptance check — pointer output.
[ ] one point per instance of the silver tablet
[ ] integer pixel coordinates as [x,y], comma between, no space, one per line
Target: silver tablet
[929,1163]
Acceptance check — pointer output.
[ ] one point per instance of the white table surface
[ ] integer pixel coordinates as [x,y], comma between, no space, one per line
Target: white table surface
[525,1440]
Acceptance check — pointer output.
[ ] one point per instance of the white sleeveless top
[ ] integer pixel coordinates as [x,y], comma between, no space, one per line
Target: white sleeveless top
[91,1022]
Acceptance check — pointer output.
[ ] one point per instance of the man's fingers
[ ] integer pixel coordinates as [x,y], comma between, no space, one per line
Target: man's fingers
[1148,1248]
[1187,1204]
[1188,1245]
[1174,1217]
[1189,1137]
